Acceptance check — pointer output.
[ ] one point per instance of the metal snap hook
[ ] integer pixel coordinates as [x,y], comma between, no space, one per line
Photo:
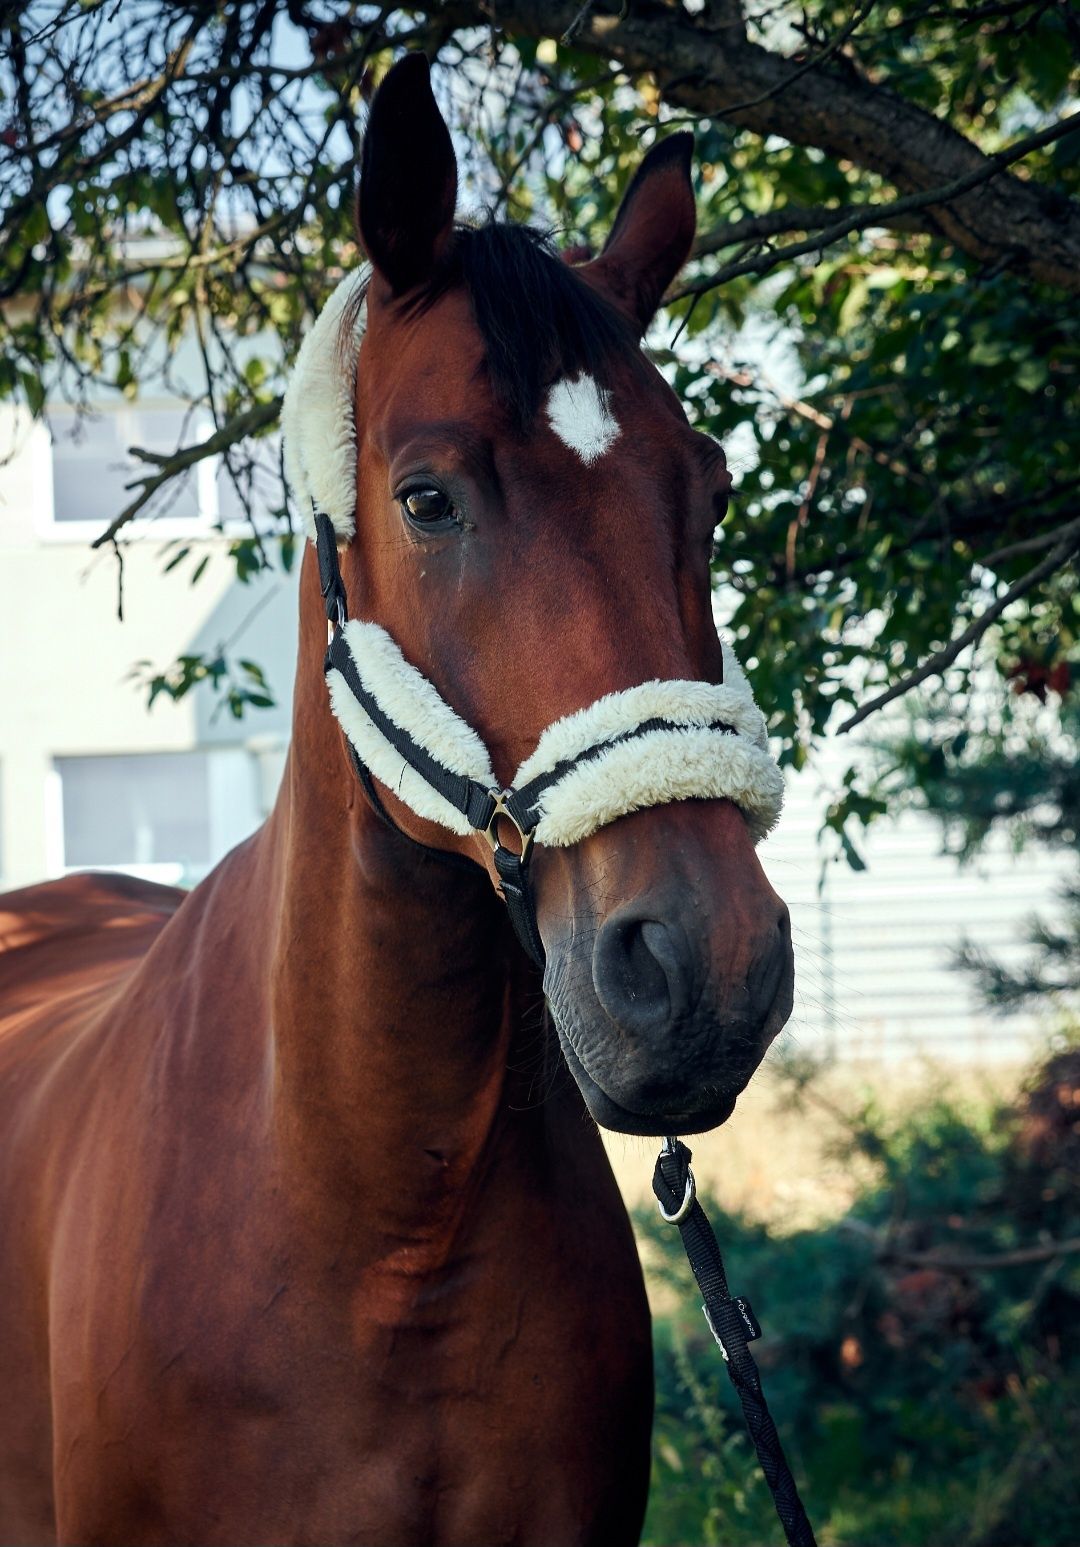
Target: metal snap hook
[689,1192]
[687,1201]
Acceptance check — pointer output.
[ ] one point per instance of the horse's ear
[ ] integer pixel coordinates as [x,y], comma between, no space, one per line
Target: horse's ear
[408,178]
[653,231]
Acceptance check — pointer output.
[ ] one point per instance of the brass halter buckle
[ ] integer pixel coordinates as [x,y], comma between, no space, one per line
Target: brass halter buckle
[491,831]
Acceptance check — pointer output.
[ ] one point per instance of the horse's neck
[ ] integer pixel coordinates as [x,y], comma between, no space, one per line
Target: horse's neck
[393,999]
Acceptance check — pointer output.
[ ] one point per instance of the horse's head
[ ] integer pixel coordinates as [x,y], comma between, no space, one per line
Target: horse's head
[534,520]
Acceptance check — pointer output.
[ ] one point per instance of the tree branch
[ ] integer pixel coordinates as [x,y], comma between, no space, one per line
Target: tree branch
[814,416]
[1026,545]
[237,429]
[714,72]
[813,62]
[965,1262]
[881,214]
[981,1262]
[939,662]
[780,222]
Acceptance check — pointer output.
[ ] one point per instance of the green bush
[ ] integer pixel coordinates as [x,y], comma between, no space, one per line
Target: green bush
[927,1388]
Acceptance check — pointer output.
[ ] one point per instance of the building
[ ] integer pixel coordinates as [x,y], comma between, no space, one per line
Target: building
[89,777]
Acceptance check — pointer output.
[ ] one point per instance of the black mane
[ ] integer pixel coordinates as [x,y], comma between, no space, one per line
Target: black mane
[537,319]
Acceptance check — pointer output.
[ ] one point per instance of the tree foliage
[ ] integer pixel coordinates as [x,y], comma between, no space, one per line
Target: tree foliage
[879,319]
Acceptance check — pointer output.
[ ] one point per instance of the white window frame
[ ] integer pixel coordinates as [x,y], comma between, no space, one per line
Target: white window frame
[234,781]
[164,527]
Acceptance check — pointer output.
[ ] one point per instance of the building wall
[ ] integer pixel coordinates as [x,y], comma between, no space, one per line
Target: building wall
[873,948]
[66,661]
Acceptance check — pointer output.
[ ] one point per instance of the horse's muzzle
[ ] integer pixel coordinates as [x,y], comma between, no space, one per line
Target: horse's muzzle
[666,1006]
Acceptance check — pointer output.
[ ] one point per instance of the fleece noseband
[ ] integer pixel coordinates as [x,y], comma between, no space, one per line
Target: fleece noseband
[648,745]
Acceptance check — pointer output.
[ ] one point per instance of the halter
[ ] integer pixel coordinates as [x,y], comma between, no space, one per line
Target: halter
[648,745]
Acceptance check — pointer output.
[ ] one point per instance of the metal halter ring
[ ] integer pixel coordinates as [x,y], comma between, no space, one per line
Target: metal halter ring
[491,831]
[333,624]
[685,1206]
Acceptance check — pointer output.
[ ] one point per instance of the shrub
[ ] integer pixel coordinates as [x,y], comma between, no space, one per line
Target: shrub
[924,1372]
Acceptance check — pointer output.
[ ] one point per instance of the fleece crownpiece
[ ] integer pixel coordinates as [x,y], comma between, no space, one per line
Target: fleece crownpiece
[647,745]
[317,420]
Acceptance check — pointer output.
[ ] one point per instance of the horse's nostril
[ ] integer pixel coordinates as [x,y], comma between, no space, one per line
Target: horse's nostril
[640,972]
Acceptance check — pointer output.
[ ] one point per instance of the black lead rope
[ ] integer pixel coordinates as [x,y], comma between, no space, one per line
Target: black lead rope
[734,1327]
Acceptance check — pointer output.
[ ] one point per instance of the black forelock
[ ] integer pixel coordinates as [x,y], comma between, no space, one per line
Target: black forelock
[537,319]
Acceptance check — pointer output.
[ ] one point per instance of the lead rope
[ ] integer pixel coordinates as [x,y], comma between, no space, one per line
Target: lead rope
[734,1327]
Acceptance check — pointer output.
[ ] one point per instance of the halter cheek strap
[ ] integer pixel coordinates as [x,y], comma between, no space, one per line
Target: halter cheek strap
[647,745]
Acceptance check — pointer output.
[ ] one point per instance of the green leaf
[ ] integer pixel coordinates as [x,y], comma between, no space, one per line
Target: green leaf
[34,390]
[178,558]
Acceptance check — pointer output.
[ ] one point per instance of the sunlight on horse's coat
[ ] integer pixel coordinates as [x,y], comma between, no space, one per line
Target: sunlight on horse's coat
[579,413]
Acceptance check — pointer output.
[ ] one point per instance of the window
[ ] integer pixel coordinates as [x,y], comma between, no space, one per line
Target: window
[91,466]
[168,816]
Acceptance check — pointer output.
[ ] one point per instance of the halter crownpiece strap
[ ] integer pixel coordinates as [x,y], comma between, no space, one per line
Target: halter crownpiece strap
[648,745]
[317,422]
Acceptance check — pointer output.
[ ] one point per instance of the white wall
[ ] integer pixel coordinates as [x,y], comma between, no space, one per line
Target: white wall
[66,659]
[872,948]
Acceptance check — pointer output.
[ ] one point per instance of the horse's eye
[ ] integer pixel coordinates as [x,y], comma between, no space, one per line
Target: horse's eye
[428,507]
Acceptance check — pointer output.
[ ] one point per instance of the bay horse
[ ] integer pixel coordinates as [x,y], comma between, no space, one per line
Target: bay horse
[308,1236]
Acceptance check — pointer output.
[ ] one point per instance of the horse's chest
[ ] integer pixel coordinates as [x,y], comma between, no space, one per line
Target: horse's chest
[379,1409]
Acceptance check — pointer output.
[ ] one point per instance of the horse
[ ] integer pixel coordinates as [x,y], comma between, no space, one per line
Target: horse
[309,1235]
